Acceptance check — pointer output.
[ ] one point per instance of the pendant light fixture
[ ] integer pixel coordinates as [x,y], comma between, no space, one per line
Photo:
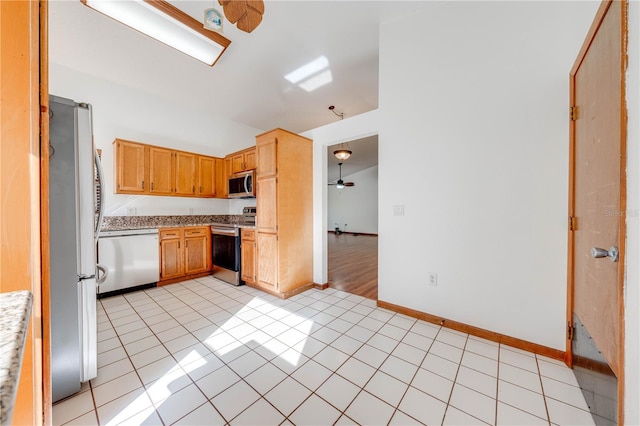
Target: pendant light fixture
[342,153]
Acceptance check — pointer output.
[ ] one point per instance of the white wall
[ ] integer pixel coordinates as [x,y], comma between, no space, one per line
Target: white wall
[473,108]
[632,300]
[356,206]
[128,113]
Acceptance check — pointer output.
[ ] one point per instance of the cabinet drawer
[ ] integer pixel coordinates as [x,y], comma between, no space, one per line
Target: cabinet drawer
[248,234]
[189,232]
[169,233]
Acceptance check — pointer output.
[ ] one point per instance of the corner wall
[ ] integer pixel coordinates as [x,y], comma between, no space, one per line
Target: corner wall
[473,104]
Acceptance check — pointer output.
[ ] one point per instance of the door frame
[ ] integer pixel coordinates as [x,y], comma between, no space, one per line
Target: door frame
[600,14]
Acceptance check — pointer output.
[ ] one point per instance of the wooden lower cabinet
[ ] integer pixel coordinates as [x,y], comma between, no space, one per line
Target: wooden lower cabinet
[184,253]
[248,256]
[197,254]
[171,256]
[268,262]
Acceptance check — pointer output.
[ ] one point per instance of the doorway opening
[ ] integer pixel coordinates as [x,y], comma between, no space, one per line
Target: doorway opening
[352,218]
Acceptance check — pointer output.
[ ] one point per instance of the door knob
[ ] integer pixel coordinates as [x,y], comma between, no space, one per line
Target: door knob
[612,253]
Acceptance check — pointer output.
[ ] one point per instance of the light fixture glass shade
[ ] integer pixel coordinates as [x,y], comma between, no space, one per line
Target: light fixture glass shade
[340,185]
[342,154]
[166,23]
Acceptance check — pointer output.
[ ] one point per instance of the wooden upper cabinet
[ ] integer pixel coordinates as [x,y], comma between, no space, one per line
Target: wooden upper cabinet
[267,157]
[185,173]
[221,178]
[154,170]
[130,167]
[160,171]
[243,160]
[206,176]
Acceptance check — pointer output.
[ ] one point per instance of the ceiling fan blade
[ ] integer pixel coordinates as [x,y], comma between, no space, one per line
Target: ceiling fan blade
[349,184]
[246,14]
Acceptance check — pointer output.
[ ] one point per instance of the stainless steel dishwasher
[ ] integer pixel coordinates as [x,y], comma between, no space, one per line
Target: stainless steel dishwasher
[132,258]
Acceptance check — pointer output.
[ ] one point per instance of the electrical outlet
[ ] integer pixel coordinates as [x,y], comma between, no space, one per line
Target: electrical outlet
[433,279]
[131,211]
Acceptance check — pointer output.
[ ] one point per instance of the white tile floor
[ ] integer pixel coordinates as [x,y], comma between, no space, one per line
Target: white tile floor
[203,352]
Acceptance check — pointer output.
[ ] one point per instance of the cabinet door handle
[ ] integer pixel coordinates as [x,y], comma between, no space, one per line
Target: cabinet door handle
[193,189]
[152,186]
[142,184]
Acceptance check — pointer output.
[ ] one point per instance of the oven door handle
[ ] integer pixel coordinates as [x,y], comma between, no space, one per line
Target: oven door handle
[218,231]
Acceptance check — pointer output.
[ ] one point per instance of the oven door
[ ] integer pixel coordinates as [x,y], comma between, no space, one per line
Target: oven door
[226,254]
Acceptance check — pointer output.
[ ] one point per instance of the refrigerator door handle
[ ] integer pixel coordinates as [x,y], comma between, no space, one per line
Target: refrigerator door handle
[101,199]
[105,273]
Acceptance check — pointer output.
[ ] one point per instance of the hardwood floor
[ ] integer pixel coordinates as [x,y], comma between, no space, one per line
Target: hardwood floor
[353,264]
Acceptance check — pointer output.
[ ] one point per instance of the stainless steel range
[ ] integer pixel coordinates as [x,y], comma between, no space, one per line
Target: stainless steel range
[225,243]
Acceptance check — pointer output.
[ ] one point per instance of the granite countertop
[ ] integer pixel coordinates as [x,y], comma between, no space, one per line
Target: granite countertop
[119,223]
[15,308]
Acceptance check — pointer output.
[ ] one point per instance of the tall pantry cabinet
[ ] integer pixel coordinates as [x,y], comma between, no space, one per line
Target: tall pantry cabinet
[284,202]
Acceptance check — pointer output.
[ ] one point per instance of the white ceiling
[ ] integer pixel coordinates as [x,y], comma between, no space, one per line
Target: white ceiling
[247,84]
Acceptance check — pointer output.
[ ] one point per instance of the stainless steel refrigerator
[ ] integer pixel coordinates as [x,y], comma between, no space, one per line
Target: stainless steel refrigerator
[75,212]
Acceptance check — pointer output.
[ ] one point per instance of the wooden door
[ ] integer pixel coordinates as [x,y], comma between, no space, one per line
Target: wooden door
[266,156]
[250,159]
[171,254]
[206,176]
[160,170]
[248,256]
[185,172]
[196,253]
[220,179]
[597,197]
[130,161]
[237,163]
[266,204]
[268,260]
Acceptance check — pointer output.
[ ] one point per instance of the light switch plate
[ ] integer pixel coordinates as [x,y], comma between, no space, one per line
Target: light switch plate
[398,210]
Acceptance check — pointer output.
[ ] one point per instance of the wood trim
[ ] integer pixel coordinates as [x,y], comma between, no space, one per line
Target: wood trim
[321,286]
[354,233]
[285,295]
[47,415]
[183,278]
[595,25]
[180,16]
[622,243]
[20,235]
[475,331]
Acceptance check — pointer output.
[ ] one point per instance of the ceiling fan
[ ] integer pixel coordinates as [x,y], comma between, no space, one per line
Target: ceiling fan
[340,184]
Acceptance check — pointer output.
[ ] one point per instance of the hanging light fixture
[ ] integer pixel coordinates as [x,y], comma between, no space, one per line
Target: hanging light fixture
[342,154]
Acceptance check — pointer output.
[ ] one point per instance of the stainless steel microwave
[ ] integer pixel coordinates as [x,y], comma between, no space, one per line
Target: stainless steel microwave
[242,185]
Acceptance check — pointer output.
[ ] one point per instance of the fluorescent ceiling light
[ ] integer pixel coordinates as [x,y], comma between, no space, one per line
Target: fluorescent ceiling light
[167,24]
[308,69]
[317,81]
